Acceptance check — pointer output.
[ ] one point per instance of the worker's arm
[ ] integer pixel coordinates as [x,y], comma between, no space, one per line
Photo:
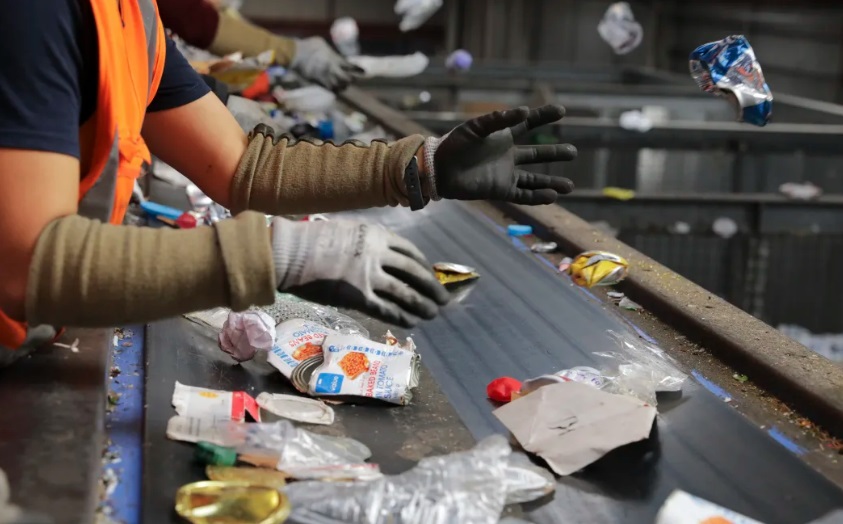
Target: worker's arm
[200,24]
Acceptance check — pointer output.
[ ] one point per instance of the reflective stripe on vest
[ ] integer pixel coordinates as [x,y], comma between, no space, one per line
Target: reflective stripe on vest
[130,38]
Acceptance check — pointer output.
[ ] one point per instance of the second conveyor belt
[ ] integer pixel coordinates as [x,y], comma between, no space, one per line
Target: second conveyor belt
[525,319]
[522,319]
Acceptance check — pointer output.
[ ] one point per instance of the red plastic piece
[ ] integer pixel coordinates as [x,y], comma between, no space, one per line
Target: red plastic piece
[186,221]
[502,388]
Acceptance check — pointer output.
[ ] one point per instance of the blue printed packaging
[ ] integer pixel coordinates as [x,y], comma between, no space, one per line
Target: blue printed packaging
[729,68]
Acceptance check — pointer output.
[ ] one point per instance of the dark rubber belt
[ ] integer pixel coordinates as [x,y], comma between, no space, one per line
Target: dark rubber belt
[522,320]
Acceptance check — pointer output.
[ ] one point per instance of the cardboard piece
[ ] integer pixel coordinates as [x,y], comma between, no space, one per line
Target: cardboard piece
[570,425]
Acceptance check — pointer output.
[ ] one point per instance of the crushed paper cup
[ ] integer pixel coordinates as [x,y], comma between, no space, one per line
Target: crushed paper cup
[214,405]
[300,409]
[355,366]
[619,29]
[684,508]
[598,268]
[727,68]
[246,333]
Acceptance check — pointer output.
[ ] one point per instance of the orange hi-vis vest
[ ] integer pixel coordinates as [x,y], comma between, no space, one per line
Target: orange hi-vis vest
[132,49]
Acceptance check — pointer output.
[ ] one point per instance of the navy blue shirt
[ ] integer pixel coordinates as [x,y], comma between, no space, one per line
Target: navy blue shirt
[49,73]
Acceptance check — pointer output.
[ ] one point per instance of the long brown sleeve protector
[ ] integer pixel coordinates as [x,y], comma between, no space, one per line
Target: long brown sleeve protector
[236,34]
[290,177]
[88,274]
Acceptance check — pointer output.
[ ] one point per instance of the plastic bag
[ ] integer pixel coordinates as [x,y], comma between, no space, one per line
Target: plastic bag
[344,33]
[249,113]
[619,28]
[246,333]
[391,66]
[288,307]
[304,455]
[415,12]
[468,486]
[639,369]
[213,318]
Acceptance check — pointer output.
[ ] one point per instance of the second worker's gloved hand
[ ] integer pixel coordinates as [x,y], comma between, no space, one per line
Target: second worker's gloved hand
[317,61]
[359,266]
[478,160]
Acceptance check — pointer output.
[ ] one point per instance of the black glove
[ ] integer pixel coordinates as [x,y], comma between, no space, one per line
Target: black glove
[478,160]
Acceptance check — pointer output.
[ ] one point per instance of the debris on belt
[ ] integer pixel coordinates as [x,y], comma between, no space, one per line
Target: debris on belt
[300,409]
[543,247]
[459,60]
[724,227]
[467,486]
[597,268]
[615,296]
[565,264]
[453,275]
[570,425]
[626,303]
[214,405]
[729,68]
[212,501]
[519,230]
[684,508]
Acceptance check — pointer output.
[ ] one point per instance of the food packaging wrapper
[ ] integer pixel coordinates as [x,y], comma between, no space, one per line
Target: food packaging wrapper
[728,67]
[598,268]
[355,366]
[296,341]
[214,405]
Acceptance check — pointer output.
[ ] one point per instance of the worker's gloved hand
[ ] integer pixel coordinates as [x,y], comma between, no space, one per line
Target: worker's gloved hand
[479,160]
[414,13]
[316,61]
[360,266]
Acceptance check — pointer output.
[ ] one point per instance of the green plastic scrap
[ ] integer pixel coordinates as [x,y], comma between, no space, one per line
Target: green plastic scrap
[740,378]
[215,455]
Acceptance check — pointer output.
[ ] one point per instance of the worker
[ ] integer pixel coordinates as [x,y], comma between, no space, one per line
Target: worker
[223,31]
[89,87]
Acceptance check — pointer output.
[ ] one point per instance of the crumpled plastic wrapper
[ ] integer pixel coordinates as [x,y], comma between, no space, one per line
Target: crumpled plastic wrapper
[597,268]
[300,409]
[619,28]
[344,34]
[459,60]
[728,68]
[800,191]
[303,454]
[639,369]
[465,487]
[246,333]
[307,99]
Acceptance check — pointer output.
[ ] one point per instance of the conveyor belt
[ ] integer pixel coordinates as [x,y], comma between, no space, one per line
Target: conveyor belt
[522,319]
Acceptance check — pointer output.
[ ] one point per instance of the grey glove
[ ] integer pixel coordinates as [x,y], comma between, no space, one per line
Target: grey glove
[316,61]
[478,160]
[360,266]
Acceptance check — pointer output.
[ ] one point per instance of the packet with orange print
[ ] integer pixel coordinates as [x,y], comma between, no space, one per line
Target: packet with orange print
[357,367]
[296,341]
[684,508]
[214,405]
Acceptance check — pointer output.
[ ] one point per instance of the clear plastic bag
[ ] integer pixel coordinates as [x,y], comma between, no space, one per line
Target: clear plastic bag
[470,486]
[304,455]
[391,66]
[287,307]
[639,369]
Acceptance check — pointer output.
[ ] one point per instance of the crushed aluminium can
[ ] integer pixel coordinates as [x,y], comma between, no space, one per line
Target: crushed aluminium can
[598,268]
[729,67]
